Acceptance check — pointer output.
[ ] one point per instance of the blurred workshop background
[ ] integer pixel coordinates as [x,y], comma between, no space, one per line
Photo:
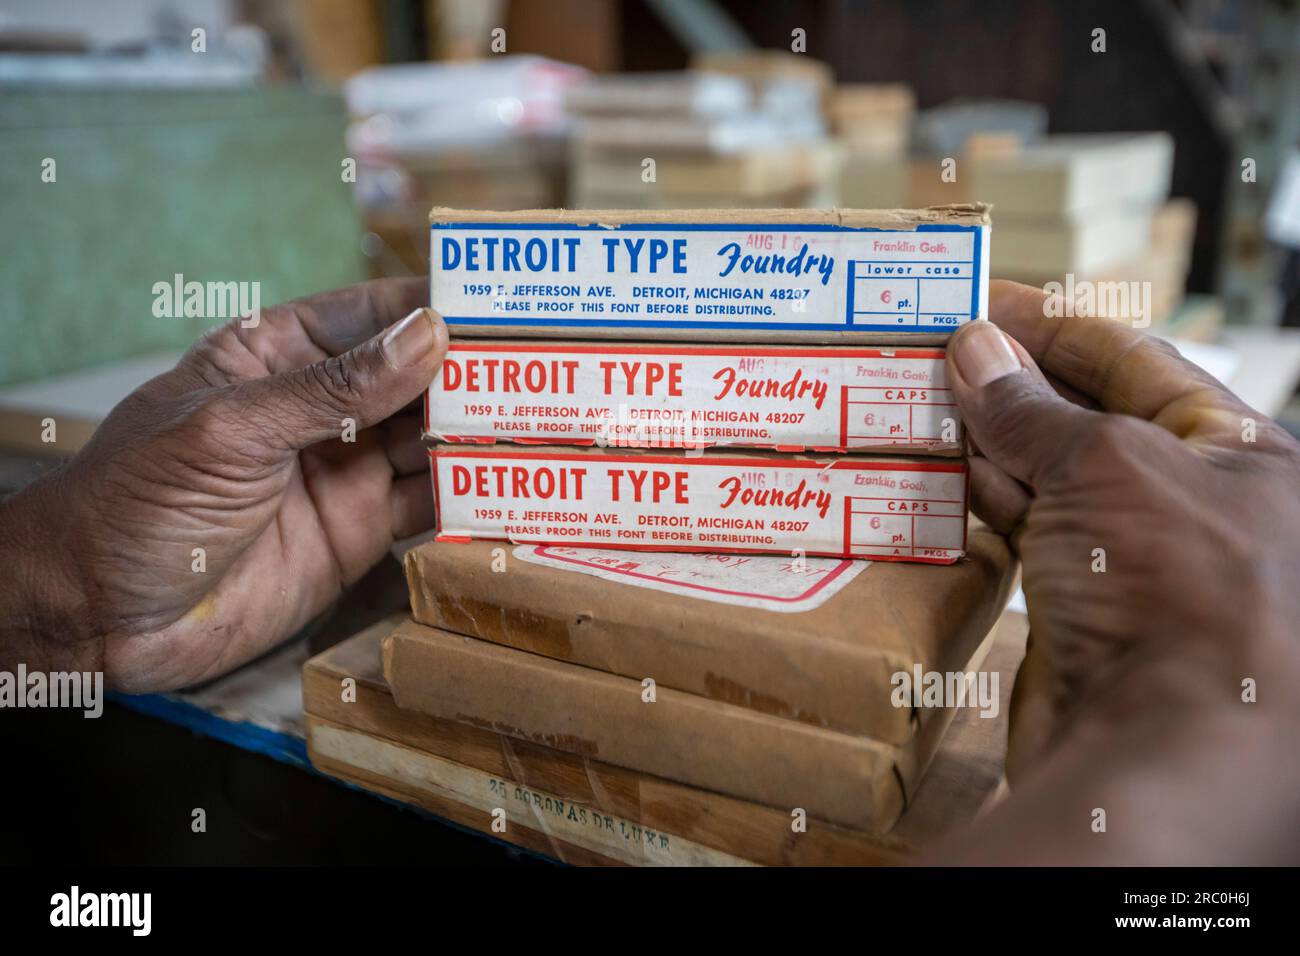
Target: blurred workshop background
[299,145]
[1149,147]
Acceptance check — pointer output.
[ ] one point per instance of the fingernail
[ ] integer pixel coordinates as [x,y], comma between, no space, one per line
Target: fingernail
[410,341]
[984,355]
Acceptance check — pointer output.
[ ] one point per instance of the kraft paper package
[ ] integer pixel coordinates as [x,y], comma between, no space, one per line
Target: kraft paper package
[817,640]
[585,811]
[849,780]
[571,807]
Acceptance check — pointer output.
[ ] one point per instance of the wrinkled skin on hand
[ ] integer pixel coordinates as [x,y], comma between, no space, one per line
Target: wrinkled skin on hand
[1157,519]
[239,451]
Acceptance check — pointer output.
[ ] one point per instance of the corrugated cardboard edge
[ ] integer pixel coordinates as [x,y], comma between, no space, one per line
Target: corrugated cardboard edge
[960,214]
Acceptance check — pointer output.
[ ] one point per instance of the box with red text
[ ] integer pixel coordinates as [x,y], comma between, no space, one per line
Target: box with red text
[892,509]
[822,398]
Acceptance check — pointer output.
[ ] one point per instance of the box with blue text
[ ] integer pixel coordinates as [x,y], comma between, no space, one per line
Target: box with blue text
[739,275]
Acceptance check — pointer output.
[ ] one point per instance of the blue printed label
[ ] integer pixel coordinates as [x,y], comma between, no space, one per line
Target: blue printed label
[725,276]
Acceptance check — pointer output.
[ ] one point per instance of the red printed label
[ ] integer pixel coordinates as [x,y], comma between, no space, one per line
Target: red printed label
[845,507]
[695,397]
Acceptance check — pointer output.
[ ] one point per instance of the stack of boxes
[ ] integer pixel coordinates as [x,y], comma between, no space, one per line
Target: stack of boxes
[700,140]
[873,122]
[488,134]
[664,442]
[1091,214]
[724,276]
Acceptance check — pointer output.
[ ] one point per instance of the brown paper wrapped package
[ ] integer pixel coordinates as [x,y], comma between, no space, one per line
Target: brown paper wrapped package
[573,808]
[830,666]
[848,780]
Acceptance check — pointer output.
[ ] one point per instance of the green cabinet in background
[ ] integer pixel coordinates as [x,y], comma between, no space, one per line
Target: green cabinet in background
[217,186]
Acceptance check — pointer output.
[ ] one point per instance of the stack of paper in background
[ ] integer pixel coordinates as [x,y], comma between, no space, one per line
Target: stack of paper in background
[486,134]
[765,70]
[700,139]
[898,157]
[947,139]
[624,386]
[1091,212]
[873,123]
[1087,213]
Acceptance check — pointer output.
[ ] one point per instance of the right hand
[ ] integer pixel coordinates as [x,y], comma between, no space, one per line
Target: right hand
[1189,497]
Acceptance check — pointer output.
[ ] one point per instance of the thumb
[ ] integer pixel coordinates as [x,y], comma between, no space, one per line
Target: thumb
[366,384]
[1012,413]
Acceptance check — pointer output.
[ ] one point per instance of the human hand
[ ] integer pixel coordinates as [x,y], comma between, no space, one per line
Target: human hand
[1157,519]
[238,451]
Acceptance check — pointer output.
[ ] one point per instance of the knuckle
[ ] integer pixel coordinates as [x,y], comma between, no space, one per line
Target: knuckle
[212,343]
[224,427]
[205,353]
[212,426]
[1006,429]
[1151,343]
[1012,410]
[215,358]
[199,420]
[338,381]
[1107,440]
[214,415]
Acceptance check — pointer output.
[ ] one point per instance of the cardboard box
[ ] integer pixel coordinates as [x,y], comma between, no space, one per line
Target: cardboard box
[765,68]
[874,182]
[586,812]
[681,94]
[818,641]
[712,275]
[847,780]
[570,807]
[871,102]
[1076,176]
[500,804]
[708,137]
[1143,290]
[888,509]
[874,119]
[756,172]
[1080,246]
[824,398]
[824,196]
